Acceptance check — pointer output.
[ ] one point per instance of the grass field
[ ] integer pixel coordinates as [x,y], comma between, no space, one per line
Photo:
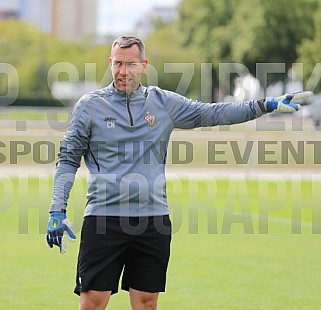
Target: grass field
[237,244]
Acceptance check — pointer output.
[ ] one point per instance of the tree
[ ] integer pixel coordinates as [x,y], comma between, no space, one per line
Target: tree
[204,24]
[172,66]
[32,54]
[247,31]
[309,57]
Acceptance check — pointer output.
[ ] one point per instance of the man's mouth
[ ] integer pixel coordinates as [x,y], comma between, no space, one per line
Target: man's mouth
[124,80]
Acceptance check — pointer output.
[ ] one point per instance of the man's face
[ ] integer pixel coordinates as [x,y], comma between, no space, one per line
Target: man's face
[127,68]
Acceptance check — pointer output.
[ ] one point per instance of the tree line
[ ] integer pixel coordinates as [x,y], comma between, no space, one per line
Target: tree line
[185,55]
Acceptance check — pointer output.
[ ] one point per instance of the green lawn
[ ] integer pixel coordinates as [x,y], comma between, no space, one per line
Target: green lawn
[237,244]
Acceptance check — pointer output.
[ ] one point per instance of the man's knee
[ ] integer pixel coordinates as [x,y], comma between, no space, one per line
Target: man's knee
[94,300]
[150,304]
[143,300]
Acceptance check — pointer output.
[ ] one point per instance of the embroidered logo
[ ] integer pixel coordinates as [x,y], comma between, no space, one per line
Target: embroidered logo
[150,119]
[110,122]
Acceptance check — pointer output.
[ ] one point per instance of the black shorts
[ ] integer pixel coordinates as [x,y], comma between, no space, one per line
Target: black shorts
[140,247]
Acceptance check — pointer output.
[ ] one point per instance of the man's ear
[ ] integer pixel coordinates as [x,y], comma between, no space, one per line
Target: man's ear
[145,63]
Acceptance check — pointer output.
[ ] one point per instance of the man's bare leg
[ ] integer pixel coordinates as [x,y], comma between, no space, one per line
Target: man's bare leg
[94,300]
[143,300]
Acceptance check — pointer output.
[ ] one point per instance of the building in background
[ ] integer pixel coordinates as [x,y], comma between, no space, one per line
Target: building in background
[65,19]
[8,9]
[147,22]
[36,12]
[74,19]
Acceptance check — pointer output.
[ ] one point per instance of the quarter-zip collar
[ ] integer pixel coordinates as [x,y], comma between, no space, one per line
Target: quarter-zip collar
[129,99]
[139,92]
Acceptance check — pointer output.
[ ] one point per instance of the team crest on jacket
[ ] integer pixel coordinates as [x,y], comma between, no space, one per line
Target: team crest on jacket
[150,119]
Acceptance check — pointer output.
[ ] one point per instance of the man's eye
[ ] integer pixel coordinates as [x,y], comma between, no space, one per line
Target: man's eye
[132,64]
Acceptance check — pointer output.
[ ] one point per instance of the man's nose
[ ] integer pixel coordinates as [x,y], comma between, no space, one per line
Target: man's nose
[123,69]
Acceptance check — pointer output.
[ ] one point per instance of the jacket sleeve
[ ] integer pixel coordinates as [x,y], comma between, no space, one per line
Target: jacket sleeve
[187,113]
[72,148]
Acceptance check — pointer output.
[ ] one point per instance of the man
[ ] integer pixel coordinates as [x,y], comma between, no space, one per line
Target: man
[122,131]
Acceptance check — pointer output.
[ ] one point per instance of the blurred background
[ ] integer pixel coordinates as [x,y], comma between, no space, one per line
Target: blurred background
[54,51]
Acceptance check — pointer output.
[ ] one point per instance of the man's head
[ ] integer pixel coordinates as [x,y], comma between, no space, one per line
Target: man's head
[128,63]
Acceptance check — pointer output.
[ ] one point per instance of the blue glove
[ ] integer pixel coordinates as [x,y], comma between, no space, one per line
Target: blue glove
[286,103]
[58,227]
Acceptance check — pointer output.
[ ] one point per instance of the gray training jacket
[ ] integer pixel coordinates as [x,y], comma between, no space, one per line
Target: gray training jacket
[124,140]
